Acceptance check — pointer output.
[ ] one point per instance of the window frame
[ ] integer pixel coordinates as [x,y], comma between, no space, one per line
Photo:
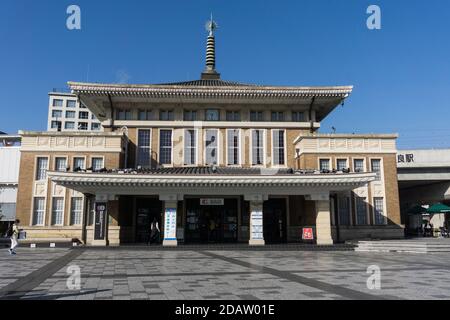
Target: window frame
[347,162]
[195,147]
[258,112]
[381,175]
[366,209]
[171,147]
[97,157]
[57,106]
[284,149]
[36,167]
[33,210]
[364,165]
[217,146]
[149,147]
[78,157]
[330,163]
[71,100]
[168,112]
[239,148]
[52,222]
[71,223]
[264,147]
[55,158]
[384,215]
[212,110]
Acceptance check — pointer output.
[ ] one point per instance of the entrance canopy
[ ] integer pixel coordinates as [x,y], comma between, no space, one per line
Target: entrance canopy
[210,180]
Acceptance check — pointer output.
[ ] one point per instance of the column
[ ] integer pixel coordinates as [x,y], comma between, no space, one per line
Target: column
[323,222]
[170,223]
[256,223]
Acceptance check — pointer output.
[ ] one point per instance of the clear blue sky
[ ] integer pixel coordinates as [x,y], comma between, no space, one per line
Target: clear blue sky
[401,73]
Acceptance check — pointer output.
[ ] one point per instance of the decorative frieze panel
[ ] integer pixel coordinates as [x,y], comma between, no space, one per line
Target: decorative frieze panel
[40,189]
[346,144]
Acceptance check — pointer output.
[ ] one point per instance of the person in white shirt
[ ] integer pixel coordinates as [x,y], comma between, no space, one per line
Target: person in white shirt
[14,236]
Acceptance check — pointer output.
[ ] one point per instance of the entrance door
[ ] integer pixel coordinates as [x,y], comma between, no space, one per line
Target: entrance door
[274,220]
[211,223]
[146,210]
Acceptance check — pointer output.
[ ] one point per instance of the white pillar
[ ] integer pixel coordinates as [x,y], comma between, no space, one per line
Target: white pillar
[256,223]
[323,222]
[170,223]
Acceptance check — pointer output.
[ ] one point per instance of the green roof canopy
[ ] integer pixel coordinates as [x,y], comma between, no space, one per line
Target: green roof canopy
[438,208]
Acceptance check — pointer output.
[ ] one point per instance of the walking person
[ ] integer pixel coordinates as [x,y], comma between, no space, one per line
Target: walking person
[14,234]
[154,232]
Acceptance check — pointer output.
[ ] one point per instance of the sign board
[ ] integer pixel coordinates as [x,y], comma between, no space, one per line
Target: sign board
[212,202]
[100,221]
[257,223]
[170,224]
[307,234]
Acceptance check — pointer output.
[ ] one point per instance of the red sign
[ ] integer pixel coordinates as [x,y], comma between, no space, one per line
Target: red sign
[307,234]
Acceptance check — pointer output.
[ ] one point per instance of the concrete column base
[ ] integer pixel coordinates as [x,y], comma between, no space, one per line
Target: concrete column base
[99,243]
[324,242]
[254,242]
[170,243]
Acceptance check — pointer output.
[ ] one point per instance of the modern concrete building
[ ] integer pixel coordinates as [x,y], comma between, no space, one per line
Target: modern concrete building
[212,161]
[66,113]
[424,179]
[9,176]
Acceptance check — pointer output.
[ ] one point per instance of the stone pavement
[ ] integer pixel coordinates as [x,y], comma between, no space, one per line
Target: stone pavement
[144,273]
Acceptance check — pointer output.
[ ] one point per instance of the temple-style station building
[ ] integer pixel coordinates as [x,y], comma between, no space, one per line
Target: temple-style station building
[214,161]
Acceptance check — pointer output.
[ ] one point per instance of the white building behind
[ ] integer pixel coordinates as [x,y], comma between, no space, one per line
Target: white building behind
[66,113]
[9,176]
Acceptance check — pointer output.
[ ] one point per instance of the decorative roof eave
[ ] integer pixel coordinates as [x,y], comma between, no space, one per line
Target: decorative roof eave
[172,91]
[121,180]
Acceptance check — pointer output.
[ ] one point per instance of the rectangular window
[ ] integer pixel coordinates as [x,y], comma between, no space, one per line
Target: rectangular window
[277,116]
[97,164]
[57,102]
[76,211]
[42,167]
[376,167]
[233,142]
[165,146]
[341,164]
[122,114]
[60,164]
[144,148]
[361,210]
[78,164]
[358,165]
[38,211]
[69,125]
[166,115]
[83,115]
[212,115]
[95,126]
[190,115]
[344,211]
[211,156]
[256,116]
[257,147]
[71,103]
[190,150]
[278,147]
[145,115]
[233,116]
[56,114]
[56,125]
[378,207]
[82,126]
[70,114]
[57,211]
[93,117]
[324,165]
[298,116]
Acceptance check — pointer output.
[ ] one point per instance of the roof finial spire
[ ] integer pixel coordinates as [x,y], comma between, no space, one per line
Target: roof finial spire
[210,70]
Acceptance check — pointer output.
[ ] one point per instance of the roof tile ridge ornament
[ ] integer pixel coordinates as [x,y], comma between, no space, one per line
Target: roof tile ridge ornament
[210,68]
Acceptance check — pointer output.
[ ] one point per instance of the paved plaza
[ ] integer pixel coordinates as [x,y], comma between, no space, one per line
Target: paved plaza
[146,273]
